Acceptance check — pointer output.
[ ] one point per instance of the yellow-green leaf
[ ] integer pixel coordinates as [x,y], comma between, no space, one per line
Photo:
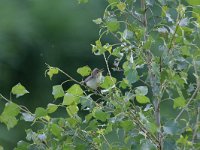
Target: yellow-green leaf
[70,99]
[113,25]
[142,99]
[58,91]
[84,71]
[40,112]
[19,90]
[108,82]
[52,71]
[72,110]
[75,90]
[9,114]
[51,108]
[179,102]
[121,6]
[194,2]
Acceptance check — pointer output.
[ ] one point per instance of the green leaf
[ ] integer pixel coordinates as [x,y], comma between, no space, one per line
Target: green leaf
[1,147]
[126,125]
[121,6]
[179,102]
[58,91]
[9,114]
[21,145]
[19,90]
[193,2]
[56,130]
[73,95]
[72,110]
[75,90]
[52,71]
[142,99]
[131,75]
[113,25]
[98,21]
[108,47]
[171,128]
[151,127]
[51,108]
[124,84]
[108,82]
[40,112]
[113,3]
[28,117]
[84,71]
[70,99]
[99,114]
[98,48]
[82,1]
[183,140]
[141,90]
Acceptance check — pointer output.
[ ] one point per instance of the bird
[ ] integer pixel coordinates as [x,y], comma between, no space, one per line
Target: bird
[94,79]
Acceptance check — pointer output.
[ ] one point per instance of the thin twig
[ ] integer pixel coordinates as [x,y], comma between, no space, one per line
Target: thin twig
[107,66]
[1,96]
[193,95]
[196,127]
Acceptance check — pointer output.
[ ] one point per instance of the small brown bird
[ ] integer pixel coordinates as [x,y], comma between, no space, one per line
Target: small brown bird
[94,79]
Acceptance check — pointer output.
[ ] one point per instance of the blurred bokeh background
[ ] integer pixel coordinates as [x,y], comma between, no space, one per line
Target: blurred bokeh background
[35,32]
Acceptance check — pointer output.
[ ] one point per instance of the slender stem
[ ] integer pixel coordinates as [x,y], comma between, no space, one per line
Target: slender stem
[173,37]
[186,106]
[196,125]
[69,76]
[193,95]
[1,96]
[143,129]
[107,66]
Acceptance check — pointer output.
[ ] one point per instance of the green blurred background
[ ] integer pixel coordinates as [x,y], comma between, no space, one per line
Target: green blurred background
[35,32]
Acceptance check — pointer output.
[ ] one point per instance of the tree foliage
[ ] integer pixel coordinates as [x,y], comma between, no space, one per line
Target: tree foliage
[151,103]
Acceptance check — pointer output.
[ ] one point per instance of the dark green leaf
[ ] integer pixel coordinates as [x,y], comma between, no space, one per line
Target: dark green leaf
[131,75]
